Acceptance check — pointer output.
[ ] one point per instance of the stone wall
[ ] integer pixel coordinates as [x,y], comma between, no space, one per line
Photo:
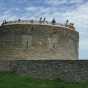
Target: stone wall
[68,70]
[4,66]
[38,41]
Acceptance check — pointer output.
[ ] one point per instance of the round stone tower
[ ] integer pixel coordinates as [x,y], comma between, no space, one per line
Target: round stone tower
[28,40]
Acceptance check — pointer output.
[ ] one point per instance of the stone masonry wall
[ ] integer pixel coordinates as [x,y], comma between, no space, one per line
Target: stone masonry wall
[40,42]
[68,70]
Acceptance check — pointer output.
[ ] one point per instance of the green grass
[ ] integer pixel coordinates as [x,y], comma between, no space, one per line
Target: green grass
[11,80]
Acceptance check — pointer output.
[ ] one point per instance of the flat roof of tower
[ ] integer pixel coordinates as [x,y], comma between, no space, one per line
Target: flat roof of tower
[31,22]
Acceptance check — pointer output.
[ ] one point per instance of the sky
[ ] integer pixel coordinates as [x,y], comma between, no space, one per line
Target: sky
[75,11]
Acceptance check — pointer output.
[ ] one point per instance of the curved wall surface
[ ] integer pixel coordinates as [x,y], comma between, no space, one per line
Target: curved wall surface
[38,42]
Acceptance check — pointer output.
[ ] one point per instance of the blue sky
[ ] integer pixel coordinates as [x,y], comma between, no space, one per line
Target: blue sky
[74,10]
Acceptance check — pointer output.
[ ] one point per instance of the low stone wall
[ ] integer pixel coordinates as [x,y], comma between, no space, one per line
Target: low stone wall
[68,70]
[4,66]
[7,65]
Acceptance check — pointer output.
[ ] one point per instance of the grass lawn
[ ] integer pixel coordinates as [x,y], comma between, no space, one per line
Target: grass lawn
[11,80]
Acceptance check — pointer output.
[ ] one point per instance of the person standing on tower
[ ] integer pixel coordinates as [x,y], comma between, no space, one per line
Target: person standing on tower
[53,21]
[40,19]
[44,19]
[67,21]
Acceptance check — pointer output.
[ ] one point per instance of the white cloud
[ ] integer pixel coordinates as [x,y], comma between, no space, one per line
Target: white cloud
[8,15]
[79,15]
[59,2]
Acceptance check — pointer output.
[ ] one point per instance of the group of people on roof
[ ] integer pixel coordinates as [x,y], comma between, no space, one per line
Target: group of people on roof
[43,20]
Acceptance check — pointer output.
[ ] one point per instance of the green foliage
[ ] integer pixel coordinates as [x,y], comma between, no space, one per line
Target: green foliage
[12,80]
